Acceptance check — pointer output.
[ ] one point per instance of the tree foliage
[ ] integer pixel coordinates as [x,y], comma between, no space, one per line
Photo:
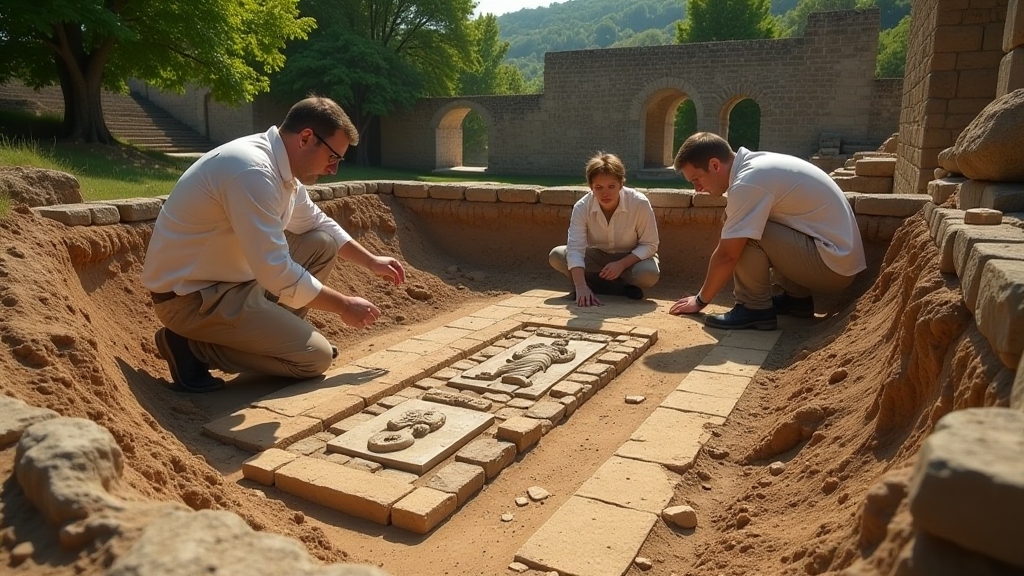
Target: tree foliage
[892,50]
[717,20]
[85,46]
[376,56]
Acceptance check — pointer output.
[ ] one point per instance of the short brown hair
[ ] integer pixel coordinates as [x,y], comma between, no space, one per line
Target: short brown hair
[700,148]
[322,115]
[603,163]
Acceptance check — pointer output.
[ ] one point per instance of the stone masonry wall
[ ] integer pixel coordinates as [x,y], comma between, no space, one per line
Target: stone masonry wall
[611,99]
[953,59]
[885,108]
[217,121]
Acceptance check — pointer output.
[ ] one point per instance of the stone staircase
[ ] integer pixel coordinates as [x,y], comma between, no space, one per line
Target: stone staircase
[131,118]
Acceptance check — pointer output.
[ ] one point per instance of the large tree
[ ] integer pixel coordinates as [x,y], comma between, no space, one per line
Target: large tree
[89,45]
[375,56]
[717,20]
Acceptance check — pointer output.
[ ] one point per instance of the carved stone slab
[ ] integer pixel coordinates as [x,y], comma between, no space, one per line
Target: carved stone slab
[540,381]
[460,426]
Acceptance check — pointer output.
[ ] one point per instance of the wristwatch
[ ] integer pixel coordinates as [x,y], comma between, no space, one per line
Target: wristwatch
[700,301]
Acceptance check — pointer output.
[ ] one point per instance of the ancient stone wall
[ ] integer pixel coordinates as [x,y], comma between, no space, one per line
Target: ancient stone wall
[953,59]
[623,101]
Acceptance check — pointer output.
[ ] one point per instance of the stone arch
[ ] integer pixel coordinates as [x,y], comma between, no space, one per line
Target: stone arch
[730,103]
[654,108]
[447,126]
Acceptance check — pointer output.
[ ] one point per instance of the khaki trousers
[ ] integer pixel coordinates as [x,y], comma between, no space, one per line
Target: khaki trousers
[644,273]
[787,258]
[239,327]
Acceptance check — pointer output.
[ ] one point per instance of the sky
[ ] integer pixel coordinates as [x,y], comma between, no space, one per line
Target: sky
[499,7]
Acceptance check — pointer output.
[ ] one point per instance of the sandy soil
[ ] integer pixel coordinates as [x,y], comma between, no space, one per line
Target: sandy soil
[844,401]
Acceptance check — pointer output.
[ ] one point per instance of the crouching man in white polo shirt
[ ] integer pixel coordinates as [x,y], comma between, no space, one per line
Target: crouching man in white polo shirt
[785,218]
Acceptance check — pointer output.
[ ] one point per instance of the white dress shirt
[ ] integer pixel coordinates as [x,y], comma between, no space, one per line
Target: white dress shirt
[632,228]
[225,219]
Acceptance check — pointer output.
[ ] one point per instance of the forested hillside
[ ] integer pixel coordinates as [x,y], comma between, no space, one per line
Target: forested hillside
[580,24]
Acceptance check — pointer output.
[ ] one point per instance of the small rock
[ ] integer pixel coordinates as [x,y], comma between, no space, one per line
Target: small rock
[838,376]
[476,276]
[537,494]
[518,567]
[635,399]
[507,517]
[704,475]
[742,520]
[764,482]
[717,453]
[706,486]
[642,563]
[830,485]
[22,552]
[776,468]
[7,537]
[453,269]
[681,516]
[522,501]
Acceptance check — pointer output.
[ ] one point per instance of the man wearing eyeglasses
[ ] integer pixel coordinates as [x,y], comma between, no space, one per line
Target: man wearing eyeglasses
[240,253]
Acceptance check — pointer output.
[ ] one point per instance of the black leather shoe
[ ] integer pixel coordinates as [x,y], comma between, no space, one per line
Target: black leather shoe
[187,371]
[633,292]
[786,305]
[741,317]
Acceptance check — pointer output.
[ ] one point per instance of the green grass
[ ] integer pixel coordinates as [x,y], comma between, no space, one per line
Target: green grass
[123,171]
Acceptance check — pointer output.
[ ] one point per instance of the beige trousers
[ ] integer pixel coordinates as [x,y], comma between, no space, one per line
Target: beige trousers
[785,257]
[644,273]
[240,327]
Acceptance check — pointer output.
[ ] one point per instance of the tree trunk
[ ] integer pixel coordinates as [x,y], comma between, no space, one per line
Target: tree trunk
[365,136]
[80,76]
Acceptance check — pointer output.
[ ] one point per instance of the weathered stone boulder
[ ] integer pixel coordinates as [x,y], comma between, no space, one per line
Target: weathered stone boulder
[990,147]
[39,186]
[67,468]
[968,484]
[16,416]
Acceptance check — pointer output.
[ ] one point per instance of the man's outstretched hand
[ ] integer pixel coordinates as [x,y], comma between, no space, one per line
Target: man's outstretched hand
[688,305]
[388,268]
[358,312]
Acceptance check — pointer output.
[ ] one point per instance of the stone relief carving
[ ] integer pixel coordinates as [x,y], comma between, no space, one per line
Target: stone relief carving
[524,364]
[402,432]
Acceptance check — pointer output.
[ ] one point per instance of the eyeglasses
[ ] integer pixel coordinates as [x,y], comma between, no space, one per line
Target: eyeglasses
[334,157]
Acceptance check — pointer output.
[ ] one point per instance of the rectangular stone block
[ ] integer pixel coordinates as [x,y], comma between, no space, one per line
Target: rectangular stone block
[422,510]
[714,384]
[490,454]
[546,410]
[410,190]
[670,198]
[613,536]
[670,438]
[255,430]
[864,184]
[971,236]
[1002,196]
[735,361]
[970,277]
[135,209]
[876,167]
[349,423]
[261,467]
[354,492]
[478,193]
[459,478]
[522,431]
[1011,72]
[446,191]
[702,200]
[691,402]
[899,205]
[630,484]
[1000,309]
[67,214]
[519,195]
[563,195]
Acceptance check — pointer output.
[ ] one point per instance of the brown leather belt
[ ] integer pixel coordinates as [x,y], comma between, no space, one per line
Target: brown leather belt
[159,297]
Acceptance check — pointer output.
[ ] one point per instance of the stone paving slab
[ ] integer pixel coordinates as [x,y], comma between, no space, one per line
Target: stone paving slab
[714,384]
[670,438]
[701,403]
[630,484]
[587,538]
[735,361]
[256,429]
[422,510]
[753,339]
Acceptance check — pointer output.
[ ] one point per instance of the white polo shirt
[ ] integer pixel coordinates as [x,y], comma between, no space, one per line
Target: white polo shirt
[632,228]
[225,219]
[797,194]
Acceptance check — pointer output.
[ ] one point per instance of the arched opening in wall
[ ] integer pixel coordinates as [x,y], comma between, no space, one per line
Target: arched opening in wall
[474,141]
[461,140]
[741,122]
[663,127]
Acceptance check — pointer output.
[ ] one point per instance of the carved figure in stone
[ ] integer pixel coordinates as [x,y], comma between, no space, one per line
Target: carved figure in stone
[524,364]
[403,431]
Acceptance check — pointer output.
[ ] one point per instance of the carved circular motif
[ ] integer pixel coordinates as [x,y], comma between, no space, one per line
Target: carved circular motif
[390,441]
